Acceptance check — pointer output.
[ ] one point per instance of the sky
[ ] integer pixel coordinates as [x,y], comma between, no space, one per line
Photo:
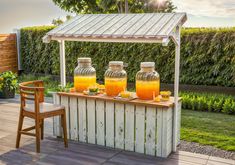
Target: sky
[201,13]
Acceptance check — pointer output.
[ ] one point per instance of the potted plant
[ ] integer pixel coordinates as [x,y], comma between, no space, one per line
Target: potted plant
[8,84]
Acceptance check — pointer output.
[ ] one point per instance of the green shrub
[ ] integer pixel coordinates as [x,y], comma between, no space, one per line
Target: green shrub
[208,102]
[207,55]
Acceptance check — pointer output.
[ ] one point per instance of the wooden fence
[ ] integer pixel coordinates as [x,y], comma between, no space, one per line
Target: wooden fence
[8,53]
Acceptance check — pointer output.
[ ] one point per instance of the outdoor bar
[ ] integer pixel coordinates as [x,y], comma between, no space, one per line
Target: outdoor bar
[143,126]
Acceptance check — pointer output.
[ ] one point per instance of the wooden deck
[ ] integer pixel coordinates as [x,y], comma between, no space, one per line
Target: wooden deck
[53,151]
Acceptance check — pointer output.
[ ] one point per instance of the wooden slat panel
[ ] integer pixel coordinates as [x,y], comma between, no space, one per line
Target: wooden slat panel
[89,24]
[164,132]
[159,132]
[74,118]
[119,32]
[129,127]
[91,134]
[118,25]
[100,122]
[109,124]
[140,128]
[61,27]
[82,119]
[170,25]
[65,102]
[8,53]
[119,125]
[100,25]
[150,130]
[148,25]
[179,123]
[155,29]
[56,119]
[131,31]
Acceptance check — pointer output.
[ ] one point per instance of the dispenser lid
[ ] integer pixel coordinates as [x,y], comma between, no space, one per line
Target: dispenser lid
[147,64]
[84,60]
[117,63]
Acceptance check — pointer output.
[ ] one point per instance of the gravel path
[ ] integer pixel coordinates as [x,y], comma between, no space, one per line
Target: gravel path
[205,149]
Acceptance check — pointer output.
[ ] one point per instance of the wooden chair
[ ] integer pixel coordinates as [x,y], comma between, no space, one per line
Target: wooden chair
[38,110]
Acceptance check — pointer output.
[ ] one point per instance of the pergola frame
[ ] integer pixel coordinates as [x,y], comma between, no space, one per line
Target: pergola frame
[174,35]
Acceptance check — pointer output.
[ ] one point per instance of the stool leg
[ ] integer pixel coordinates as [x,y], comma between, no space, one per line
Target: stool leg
[37,129]
[63,122]
[42,129]
[20,124]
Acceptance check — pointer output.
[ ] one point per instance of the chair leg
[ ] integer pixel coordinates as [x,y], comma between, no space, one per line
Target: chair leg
[37,130]
[20,124]
[63,122]
[42,129]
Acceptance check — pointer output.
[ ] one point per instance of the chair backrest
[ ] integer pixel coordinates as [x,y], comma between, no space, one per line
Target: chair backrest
[32,90]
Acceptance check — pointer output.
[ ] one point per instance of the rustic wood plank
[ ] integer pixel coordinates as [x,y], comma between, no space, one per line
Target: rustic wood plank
[82,119]
[65,101]
[57,119]
[150,130]
[91,121]
[74,118]
[119,125]
[159,132]
[109,124]
[100,122]
[140,129]
[129,127]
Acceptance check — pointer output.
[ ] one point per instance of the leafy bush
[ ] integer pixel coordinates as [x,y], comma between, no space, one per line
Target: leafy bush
[8,80]
[207,56]
[208,102]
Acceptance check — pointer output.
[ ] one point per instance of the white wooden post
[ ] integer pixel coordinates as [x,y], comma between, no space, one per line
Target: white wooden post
[62,64]
[176,86]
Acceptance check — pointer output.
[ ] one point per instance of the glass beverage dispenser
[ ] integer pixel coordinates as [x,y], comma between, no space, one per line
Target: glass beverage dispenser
[147,81]
[115,78]
[84,75]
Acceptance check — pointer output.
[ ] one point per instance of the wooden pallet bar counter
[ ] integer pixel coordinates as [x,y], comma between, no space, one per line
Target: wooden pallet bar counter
[136,125]
[108,122]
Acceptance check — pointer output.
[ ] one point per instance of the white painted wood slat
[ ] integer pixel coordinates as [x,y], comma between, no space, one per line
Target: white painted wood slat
[139,129]
[56,119]
[138,25]
[82,119]
[74,118]
[100,122]
[129,127]
[109,124]
[119,125]
[65,102]
[91,134]
[159,132]
[150,130]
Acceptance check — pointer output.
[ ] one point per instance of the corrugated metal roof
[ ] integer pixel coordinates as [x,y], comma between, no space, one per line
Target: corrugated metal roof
[119,27]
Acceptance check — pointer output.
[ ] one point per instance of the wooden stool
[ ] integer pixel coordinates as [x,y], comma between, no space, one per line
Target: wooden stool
[37,110]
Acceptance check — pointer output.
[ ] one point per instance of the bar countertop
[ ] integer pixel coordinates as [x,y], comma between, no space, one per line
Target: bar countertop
[163,104]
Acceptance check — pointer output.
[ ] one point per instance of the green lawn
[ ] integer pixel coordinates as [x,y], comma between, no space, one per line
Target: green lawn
[209,128]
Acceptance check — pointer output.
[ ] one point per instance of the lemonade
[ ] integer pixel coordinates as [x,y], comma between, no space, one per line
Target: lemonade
[147,90]
[113,86]
[81,83]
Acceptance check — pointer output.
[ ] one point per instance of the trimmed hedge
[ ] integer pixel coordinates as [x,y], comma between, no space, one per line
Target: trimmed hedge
[207,56]
[208,102]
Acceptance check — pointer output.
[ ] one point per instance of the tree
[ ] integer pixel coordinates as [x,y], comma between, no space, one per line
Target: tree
[59,21]
[115,6]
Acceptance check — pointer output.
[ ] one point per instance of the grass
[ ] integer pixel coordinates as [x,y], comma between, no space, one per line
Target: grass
[213,129]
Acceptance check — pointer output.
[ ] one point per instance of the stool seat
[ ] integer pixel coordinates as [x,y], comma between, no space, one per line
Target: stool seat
[32,105]
[44,107]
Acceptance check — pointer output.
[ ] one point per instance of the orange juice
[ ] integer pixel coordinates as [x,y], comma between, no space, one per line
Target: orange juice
[113,86]
[147,90]
[81,83]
